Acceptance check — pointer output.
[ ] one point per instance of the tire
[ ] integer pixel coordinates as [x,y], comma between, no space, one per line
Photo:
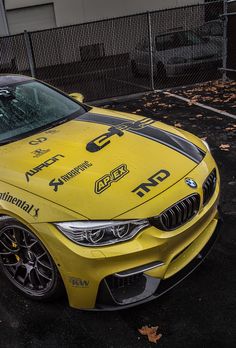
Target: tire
[27,264]
[135,70]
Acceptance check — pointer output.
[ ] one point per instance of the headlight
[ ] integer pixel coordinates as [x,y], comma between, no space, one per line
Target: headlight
[97,233]
[207,145]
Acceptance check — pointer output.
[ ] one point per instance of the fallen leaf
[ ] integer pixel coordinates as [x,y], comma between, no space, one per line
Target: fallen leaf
[154,337]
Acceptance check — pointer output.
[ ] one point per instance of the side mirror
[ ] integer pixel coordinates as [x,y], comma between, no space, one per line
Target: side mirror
[77,96]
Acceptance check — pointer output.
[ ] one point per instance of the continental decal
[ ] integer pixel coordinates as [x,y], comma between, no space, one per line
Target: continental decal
[115,175]
[27,207]
[143,128]
[153,181]
[55,183]
[42,166]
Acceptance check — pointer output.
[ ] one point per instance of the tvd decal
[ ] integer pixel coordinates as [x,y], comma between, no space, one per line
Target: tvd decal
[55,183]
[41,166]
[115,175]
[153,181]
[28,208]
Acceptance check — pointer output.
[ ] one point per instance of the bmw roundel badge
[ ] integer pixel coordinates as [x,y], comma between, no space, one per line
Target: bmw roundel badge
[191,183]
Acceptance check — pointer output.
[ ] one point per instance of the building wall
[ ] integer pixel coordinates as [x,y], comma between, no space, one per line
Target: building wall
[78,11]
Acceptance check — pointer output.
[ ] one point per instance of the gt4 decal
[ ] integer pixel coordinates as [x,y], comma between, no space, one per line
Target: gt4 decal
[145,129]
[103,140]
[20,203]
[41,166]
[115,175]
[153,181]
[55,183]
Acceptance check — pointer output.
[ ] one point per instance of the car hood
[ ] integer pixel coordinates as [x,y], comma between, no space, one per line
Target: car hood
[100,165]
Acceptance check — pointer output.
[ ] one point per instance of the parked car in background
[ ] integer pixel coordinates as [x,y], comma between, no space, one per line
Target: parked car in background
[175,53]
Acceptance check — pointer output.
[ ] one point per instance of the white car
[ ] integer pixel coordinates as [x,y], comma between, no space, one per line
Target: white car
[175,53]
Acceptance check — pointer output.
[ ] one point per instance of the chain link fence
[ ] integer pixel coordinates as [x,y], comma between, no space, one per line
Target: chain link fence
[124,55]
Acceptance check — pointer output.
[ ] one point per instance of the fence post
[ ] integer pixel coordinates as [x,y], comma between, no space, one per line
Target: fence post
[225,39]
[150,50]
[30,52]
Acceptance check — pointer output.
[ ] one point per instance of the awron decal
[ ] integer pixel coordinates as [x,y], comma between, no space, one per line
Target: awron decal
[115,175]
[20,203]
[41,166]
[56,183]
[142,128]
[153,181]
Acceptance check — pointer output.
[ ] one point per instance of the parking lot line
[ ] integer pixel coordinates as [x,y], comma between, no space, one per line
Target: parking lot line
[199,104]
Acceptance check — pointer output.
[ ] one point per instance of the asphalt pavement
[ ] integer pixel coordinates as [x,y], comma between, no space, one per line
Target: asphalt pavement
[199,312]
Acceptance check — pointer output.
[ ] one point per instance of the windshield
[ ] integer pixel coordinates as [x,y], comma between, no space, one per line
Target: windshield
[177,40]
[29,107]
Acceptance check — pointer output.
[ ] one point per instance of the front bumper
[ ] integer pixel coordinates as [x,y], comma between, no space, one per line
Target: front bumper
[108,300]
[173,70]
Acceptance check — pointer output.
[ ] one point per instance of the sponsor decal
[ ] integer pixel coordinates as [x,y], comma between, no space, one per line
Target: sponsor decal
[41,166]
[39,152]
[52,131]
[78,282]
[103,140]
[115,175]
[144,128]
[55,183]
[38,141]
[153,181]
[27,207]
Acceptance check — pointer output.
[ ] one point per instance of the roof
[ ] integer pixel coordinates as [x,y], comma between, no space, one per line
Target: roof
[10,79]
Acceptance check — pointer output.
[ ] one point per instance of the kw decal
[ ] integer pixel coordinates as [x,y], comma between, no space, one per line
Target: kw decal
[28,208]
[38,141]
[55,183]
[39,152]
[41,166]
[153,181]
[143,128]
[115,175]
[78,282]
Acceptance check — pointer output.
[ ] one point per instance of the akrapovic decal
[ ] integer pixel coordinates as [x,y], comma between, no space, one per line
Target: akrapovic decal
[153,181]
[20,203]
[115,175]
[39,152]
[56,183]
[145,129]
[41,166]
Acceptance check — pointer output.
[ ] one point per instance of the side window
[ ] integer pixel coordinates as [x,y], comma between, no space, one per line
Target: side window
[166,42]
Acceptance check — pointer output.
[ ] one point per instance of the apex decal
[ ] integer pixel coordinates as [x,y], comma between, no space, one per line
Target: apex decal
[43,165]
[115,175]
[153,181]
[55,183]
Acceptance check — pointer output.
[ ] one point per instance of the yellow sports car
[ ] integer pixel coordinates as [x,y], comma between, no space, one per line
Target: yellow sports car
[111,208]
